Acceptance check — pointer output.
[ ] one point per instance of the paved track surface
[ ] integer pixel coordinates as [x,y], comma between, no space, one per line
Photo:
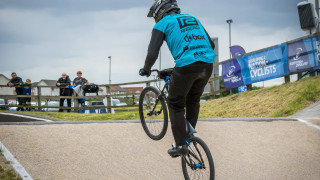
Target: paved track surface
[311,112]
[241,150]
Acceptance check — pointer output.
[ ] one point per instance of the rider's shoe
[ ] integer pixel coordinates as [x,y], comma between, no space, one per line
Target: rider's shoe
[178,151]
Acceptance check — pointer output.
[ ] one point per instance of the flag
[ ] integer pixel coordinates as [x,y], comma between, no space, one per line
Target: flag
[237,51]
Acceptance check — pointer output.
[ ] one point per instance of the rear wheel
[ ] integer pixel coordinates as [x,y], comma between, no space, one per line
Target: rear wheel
[198,163]
[153,113]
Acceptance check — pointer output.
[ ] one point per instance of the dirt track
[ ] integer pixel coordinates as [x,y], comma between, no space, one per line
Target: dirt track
[241,150]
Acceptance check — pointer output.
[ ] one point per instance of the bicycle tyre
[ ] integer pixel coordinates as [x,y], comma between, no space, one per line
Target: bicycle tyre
[149,124]
[200,173]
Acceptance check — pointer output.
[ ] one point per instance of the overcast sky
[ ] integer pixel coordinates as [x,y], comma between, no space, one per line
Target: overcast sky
[40,39]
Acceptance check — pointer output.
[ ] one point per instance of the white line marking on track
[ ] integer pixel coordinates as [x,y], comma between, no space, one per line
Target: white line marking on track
[15,164]
[309,123]
[29,117]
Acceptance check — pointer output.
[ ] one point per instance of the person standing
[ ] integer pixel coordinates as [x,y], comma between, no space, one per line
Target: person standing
[27,91]
[64,83]
[79,80]
[17,81]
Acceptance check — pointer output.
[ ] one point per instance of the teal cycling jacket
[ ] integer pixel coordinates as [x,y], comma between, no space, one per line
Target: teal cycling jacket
[186,38]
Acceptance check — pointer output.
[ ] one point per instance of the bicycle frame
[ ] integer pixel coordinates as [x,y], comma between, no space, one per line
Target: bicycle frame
[165,87]
[162,92]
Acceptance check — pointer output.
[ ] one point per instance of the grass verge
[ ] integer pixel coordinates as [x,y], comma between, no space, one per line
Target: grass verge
[6,170]
[87,117]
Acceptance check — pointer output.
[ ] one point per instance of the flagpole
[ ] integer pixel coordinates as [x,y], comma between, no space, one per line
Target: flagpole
[229,21]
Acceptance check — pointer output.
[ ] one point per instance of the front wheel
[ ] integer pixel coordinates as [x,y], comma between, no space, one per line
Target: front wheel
[198,163]
[153,113]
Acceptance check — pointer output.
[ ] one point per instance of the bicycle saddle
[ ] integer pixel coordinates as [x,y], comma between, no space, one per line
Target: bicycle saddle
[165,72]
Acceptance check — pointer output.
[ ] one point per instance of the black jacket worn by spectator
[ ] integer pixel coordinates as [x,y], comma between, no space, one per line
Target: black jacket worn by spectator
[64,83]
[17,82]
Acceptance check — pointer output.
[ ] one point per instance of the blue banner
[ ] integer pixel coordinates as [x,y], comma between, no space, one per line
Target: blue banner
[299,56]
[313,47]
[264,65]
[304,55]
[317,62]
[242,89]
[231,74]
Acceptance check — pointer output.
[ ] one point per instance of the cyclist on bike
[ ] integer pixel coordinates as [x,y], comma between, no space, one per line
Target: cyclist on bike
[193,52]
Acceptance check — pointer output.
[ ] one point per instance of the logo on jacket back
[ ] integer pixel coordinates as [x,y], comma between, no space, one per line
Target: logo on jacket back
[194,37]
[186,21]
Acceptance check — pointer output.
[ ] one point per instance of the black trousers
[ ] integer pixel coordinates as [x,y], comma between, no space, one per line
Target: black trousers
[186,87]
[20,101]
[61,104]
[27,101]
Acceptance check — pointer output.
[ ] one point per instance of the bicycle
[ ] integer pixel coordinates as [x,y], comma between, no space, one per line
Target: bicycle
[198,162]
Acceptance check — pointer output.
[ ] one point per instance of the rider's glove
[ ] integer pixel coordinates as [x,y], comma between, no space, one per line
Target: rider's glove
[143,72]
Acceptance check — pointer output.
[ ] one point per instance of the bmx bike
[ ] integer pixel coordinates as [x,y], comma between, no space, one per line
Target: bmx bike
[198,163]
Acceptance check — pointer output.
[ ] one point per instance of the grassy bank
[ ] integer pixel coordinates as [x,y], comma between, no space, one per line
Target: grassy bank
[276,101]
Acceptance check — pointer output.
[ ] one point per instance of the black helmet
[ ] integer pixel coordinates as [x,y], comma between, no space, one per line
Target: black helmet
[160,8]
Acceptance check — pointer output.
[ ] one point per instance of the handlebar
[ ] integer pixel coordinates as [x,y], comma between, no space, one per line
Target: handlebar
[163,73]
[155,70]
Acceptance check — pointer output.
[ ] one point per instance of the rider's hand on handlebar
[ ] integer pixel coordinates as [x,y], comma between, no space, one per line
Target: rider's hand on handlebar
[143,72]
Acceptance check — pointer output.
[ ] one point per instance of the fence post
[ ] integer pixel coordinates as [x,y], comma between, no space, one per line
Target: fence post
[148,95]
[75,102]
[39,98]
[287,79]
[109,98]
[211,89]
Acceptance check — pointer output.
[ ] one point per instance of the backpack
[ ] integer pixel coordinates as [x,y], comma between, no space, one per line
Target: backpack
[92,88]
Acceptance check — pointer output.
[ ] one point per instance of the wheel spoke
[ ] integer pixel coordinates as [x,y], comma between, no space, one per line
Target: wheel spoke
[153,122]
[196,165]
